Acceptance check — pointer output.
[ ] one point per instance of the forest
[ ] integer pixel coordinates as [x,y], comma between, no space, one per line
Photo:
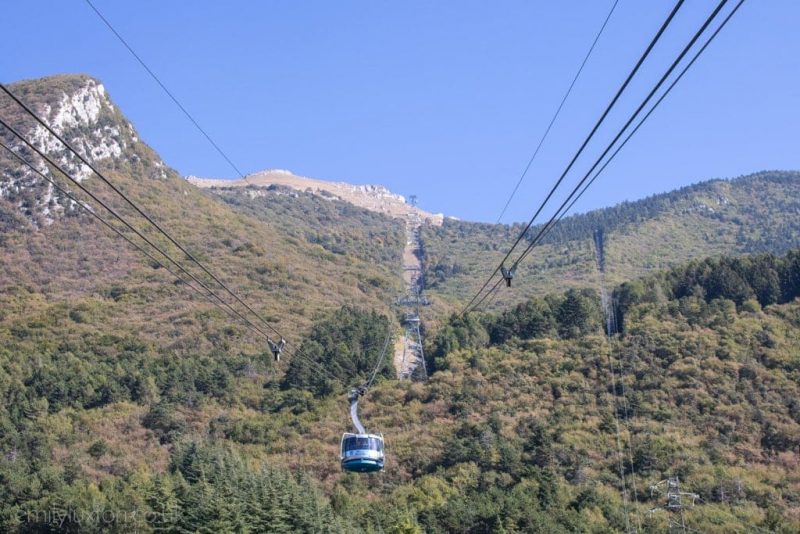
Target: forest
[515,431]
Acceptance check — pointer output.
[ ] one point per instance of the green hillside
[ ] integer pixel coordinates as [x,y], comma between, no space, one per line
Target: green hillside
[756,213]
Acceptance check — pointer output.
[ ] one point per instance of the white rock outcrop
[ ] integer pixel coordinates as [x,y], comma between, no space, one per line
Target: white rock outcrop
[86,118]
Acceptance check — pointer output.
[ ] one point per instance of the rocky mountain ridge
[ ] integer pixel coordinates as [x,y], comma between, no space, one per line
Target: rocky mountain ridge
[372,197]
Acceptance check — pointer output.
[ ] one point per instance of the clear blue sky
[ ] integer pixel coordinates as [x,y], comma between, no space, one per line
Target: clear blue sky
[443,99]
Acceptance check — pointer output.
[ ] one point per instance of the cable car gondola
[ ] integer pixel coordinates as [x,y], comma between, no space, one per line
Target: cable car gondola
[360,452]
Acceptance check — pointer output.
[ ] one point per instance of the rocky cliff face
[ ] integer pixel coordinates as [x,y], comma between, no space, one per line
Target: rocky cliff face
[79,109]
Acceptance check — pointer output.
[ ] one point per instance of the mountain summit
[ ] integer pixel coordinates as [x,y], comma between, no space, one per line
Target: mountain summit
[372,197]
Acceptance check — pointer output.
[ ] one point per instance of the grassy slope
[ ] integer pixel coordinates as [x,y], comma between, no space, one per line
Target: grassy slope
[757,213]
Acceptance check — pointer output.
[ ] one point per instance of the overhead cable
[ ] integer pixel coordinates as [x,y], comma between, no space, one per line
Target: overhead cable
[558,111]
[588,138]
[630,120]
[167,91]
[571,199]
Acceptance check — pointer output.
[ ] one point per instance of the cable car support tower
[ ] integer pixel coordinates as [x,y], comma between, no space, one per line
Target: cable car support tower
[410,356]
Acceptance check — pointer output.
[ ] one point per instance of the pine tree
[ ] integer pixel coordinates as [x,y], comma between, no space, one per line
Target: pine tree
[163,502]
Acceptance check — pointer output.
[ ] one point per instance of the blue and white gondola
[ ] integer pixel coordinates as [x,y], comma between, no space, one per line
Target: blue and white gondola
[362,453]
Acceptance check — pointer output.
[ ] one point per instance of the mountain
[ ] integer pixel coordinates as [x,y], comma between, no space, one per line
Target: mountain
[52,246]
[749,214]
[131,404]
[372,197]
[91,328]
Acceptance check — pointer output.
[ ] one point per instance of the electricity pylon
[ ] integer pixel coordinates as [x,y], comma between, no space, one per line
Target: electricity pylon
[675,504]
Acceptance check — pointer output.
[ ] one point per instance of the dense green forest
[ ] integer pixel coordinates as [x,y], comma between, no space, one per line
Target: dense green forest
[341,351]
[514,431]
[750,214]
